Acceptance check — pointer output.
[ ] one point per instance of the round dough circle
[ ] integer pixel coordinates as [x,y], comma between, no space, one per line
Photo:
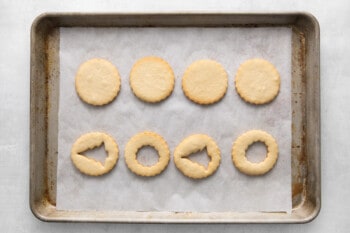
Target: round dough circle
[257,81]
[205,82]
[139,140]
[193,144]
[152,79]
[241,145]
[97,81]
[90,166]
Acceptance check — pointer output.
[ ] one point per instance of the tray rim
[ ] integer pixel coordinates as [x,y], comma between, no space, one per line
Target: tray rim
[43,211]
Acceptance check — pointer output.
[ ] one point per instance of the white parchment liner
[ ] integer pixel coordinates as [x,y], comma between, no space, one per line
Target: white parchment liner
[174,119]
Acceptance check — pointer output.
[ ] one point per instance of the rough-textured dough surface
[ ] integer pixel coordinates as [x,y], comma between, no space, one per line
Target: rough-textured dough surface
[205,82]
[193,144]
[152,79]
[142,139]
[90,166]
[97,81]
[241,145]
[257,81]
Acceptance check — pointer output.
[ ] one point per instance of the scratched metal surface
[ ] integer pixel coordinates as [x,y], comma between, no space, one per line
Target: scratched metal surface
[305,114]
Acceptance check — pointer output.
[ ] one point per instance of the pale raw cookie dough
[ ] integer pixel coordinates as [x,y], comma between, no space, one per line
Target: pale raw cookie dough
[97,81]
[257,81]
[142,139]
[205,82]
[241,145]
[193,144]
[152,79]
[90,166]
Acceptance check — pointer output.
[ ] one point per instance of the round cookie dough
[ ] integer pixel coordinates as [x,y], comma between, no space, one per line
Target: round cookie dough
[204,82]
[142,139]
[193,144]
[257,81]
[152,79]
[241,145]
[97,81]
[90,166]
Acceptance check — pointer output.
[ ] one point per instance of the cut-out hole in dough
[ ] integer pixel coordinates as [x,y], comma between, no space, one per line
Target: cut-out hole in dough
[147,156]
[140,140]
[256,152]
[200,157]
[89,163]
[194,143]
[97,153]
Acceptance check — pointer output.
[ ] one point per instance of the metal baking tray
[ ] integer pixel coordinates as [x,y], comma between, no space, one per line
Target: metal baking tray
[44,78]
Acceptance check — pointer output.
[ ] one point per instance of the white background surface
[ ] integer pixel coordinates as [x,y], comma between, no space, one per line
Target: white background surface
[15,21]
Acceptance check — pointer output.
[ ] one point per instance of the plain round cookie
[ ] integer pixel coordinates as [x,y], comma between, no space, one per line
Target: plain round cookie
[140,140]
[97,81]
[152,79]
[241,145]
[90,166]
[257,81]
[205,82]
[193,144]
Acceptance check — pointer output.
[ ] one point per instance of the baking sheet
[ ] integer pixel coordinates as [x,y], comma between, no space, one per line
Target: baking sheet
[174,118]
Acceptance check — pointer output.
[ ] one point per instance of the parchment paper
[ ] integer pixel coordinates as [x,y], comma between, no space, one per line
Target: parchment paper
[174,119]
